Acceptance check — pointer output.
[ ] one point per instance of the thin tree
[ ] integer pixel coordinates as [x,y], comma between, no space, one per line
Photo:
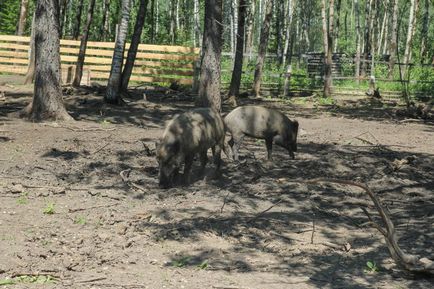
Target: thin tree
[63,14]
[210,75]
[288,30]
[410,33]
[234,87]
[77,26]
[393,39]
[112,94]
[358,40]
[424,33]
[328,45]
[30,74]
[83,45]
[249,29]
[196,26]
[23,17]
[47,100]
[105,20]
[367,39]
[132,51]
[263,44]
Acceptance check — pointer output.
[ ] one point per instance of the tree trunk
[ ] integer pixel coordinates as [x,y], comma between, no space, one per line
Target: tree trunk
[83,45]
[280,16]
[234,88]
[172,29]
[209,86]
[132,52]
[30,75]
[196,24]
[393,40]
[77,26]
[383,30]
[263,43]
[23,17]
[112,94]
[63,14]
[289,28]
[424,33]
[152,21]
[410,33]
[47,100]
[249,29]
[338,26]
[358,39]
[105,20]
[367,39]
[328,45]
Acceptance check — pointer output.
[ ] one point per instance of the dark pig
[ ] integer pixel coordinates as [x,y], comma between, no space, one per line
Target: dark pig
[263,123]
[186,135]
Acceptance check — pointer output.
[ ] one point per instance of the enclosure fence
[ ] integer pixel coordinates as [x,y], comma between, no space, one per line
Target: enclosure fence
[154,63]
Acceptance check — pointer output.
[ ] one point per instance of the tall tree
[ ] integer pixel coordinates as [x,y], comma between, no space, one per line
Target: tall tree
[47,100]
[104,28]
[249,29]
[393,39]
[23,17]
[234,87]
[328,45]
[424,33]
[358,40]
[30,74]
[112,94]
[210,75]
[367,39]
[263,44]
[83,46]
[63,14]
[410,33]
[288,31]
[77,26]
[196,25]
[132,51]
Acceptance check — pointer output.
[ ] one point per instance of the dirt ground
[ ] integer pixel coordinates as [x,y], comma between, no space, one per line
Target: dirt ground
[67,213]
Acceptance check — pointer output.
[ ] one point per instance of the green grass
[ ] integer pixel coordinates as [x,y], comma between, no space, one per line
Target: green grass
[49,209]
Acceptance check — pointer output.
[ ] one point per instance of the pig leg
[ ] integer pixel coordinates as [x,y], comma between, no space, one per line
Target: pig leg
[269,144]
[216,152]
[187,168]
[235,143]
[203,161]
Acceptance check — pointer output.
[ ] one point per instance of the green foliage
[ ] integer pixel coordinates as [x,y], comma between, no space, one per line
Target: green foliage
[29,279]
[203,265]
[49,209]
[23,200]
[80,220]
[371,267]
[9,13]
[181,262]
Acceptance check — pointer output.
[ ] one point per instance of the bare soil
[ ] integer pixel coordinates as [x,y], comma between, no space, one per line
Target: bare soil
[67,213]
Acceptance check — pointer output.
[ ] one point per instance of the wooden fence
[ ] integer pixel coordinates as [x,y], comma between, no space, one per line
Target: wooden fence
[154,63]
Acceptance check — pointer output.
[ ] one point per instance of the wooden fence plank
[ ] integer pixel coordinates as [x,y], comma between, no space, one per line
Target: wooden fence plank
[14,46]
[13,69]
[14,38]
[15,54]
[14,60]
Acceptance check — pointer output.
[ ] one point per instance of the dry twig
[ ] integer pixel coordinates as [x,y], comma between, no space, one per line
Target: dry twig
[412,263]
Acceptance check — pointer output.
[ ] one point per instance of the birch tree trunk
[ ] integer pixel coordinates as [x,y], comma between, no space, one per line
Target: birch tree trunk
[263,44]
[234,88]
[393,40]
[328,45]
[135,41]
[410,32]
[152,21]
[105,20]
[288,31]
[249,29]
[209,85]
[63,16]
[338,26]
[77,26]
[196,24]
[47,102]
[83,45]
[112,94]
[358,40]
[23,17]
[367,38]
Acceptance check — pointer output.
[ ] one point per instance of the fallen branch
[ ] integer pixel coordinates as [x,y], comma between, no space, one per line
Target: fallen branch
[264,211]
[90,208]
[124,175]
[412,263]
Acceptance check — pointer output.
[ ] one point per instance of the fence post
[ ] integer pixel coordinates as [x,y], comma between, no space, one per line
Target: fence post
[287,82]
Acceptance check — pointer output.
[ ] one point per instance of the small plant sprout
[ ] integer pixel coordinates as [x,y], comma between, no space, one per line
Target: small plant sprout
[371,267]
[80,220]
[23,200]
[49,209]
[203,265]
[181,262]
